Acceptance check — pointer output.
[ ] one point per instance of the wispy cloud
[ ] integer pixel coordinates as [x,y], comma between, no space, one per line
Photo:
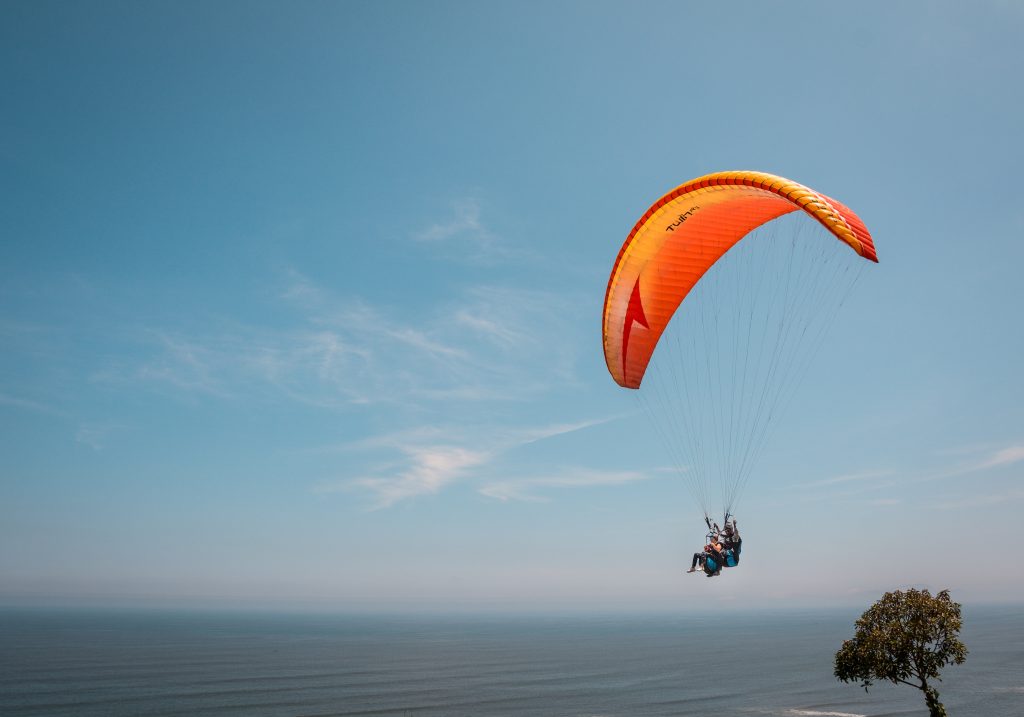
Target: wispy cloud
[427,459]
[1003,457]
[883,487]
[29,405]
[185,364]
[500,438]
[865,481]
[465,222]
[430,469]
[978,501]
[529,489]
[532,435]
[847,478]
[314,367]
[489,344]
[463,234]
[488,327]
[95,435]
[990,458]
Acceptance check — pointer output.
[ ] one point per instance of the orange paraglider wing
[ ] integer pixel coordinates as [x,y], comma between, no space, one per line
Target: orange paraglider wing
[681,236]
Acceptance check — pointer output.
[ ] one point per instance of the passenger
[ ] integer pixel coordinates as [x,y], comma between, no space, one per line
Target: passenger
[713,550]
[716,552]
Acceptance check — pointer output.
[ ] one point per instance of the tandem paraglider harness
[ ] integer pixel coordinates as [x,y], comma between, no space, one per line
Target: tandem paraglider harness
[730,555]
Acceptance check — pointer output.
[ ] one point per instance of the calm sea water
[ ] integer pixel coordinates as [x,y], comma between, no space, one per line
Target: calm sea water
[140,663]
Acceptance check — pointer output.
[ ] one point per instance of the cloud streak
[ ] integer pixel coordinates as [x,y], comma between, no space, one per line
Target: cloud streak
[430,469]
[466,221]
[426,460]
[29,405]
[847,478]
[95,435]
[464,235]
[527,489]
[489,344]
[1004,457]
[978,501]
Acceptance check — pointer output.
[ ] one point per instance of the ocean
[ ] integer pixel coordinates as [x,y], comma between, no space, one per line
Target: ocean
[132,663]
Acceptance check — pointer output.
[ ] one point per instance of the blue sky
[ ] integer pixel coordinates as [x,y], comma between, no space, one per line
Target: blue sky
[300,303]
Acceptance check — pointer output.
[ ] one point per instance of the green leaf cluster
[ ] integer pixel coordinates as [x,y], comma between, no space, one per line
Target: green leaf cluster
[906,637]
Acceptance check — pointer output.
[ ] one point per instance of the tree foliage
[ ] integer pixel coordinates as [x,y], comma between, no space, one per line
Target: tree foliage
[905,638]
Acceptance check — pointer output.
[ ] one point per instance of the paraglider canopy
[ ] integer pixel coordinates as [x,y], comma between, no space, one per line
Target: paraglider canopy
[681,236]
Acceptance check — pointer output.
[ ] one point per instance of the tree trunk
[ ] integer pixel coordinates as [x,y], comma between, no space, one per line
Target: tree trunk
[931,698]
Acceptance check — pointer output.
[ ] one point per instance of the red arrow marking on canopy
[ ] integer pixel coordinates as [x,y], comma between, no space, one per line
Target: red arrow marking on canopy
[634,314]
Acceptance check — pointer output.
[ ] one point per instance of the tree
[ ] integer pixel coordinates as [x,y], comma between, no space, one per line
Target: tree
[905,638]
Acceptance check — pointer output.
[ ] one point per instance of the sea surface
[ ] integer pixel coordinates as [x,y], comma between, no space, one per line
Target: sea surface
[112,664]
